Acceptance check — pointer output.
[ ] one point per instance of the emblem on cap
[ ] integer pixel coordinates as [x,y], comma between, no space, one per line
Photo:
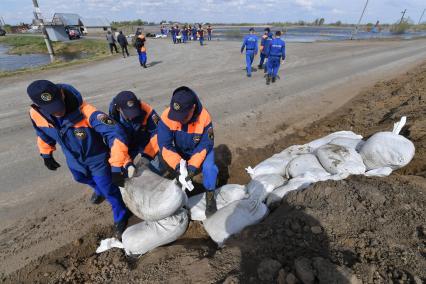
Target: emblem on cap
[80,134]
[105,119]
[46,97]
[130,103]
[176,106]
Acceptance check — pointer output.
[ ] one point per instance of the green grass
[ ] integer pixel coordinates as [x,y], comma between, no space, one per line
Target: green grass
[85,50]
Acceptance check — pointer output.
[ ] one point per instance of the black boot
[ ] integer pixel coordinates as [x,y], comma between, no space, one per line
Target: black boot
[210,203]
[120,227]
[96,199]
[268,79]
[144,65]
[259,66]
[273,79]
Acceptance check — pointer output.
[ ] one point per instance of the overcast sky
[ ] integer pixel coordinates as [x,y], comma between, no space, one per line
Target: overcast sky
[227,11]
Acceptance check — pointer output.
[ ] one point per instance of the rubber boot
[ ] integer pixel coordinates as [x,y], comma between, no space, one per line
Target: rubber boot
[121,226]
[210,203]
[268,80]
[96,199]
[144,65]
[259,66]
[273,79]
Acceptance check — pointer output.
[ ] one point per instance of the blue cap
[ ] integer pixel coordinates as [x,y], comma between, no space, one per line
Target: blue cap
[46,95]
[183,100]
[129,104]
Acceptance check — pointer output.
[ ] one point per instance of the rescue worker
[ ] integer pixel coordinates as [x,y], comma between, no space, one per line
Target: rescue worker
[185,34]
[266,40]
[141,49]
[194,33]
[173,32]
[139,120]
[275,52]
[250,44]
[185,131]
[89,140]
[209,33]
[122,40]
[200,33]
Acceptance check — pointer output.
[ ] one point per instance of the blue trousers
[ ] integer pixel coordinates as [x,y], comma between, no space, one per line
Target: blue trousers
[210,172]
[174,38]
[262,58]
[142,57]
[184,38]
[249,61]
[209,37]
[103,186]
[201,40]
[194,36]
[273,66]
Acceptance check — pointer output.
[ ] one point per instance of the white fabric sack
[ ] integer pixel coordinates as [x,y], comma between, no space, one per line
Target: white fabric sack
[259,187]
[224,196]
[348,142]
[147,235]
[152,197]
[387,149]
[338,159]
[325,140]
[278,162]
[380,172]
[233,218]
[293,184]
[305,164]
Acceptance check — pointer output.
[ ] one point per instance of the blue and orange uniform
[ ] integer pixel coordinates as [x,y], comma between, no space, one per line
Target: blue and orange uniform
[94,145]
[185,35]
[275,52]
[200,34]
[264,45]
[141,49]
[250,44]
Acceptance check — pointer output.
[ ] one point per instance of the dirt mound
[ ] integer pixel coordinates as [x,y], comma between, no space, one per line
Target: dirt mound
[360,229]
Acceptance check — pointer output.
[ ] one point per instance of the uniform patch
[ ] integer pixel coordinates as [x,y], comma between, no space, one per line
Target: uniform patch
[197,138]
[80,134]
[105,119]
[210,133]
[155,118]
[130,103]
[46,97]
[176,106]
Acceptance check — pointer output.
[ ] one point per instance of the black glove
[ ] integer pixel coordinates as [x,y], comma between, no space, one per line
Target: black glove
[117,179]
[51,164]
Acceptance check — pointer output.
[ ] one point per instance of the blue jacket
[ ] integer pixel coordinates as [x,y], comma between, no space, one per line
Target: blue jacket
[250,43]
[276,48]
[191,142]
[141,131]
[89,138]
[265,43]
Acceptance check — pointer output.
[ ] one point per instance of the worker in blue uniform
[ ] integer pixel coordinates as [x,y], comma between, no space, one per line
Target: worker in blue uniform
[194,33]
[139,120]
[89,140]
[275,53]
[173,32]
[264,43]
[186,132]
[250,44]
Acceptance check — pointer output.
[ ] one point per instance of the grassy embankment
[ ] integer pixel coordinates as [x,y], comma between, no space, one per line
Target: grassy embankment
[76,52]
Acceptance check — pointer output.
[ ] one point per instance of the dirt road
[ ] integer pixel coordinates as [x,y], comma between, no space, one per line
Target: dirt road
[48,209]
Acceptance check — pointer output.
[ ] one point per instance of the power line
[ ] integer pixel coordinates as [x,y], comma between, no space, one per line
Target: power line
[37,16]
[421,17]
[360,18]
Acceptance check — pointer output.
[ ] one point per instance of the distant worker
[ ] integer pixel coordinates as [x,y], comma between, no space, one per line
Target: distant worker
[139,120]
[141,49]
[194,33]
[173,32]
[185,34]
[122,41]
[200,34]
[264,43]
[250,44]
[88,138]
[209,33]
[186,132]
[275,52]
[111,41]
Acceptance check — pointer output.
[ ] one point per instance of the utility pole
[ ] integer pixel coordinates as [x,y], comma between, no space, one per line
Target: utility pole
[421,17]
[360,18]
[37,15]
[403,14]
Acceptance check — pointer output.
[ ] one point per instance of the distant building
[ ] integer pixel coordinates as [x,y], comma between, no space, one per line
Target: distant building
[61,24]
[95,25]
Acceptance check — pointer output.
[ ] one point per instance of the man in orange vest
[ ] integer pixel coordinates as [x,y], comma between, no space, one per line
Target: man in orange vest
[141,49]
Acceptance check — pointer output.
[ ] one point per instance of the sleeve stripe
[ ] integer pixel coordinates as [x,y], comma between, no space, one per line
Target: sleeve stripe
[197,159]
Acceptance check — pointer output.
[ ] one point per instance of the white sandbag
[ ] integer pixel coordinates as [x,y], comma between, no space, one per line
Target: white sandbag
[293,184]
[338,159]
[152,197]
[262,185]
[380,172]
[147,235]
[348,142]
[326,139]
[387,149]
[304,164]
[224,196]
[233,218]
[278,162]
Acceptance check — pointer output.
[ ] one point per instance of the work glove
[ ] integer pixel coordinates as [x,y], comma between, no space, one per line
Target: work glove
[184,180]
[130,170]
[51,164]
[117,179]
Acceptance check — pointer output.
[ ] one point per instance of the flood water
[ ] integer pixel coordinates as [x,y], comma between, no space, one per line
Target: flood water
[11,62]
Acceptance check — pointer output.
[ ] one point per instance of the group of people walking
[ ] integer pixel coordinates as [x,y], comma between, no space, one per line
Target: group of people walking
[189,32]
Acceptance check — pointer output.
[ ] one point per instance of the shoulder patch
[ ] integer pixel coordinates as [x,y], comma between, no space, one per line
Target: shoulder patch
[80,134]
[210,133]
[155,118]
[197,139]
[105,119]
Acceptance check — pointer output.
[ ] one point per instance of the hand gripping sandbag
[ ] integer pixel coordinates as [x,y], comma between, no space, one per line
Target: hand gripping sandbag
[388,149]
[262,185]
[278,162]
[224,196]
[147,235]
[327,139]
[152,197]
[337,159]
[306,164]
[233,218]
